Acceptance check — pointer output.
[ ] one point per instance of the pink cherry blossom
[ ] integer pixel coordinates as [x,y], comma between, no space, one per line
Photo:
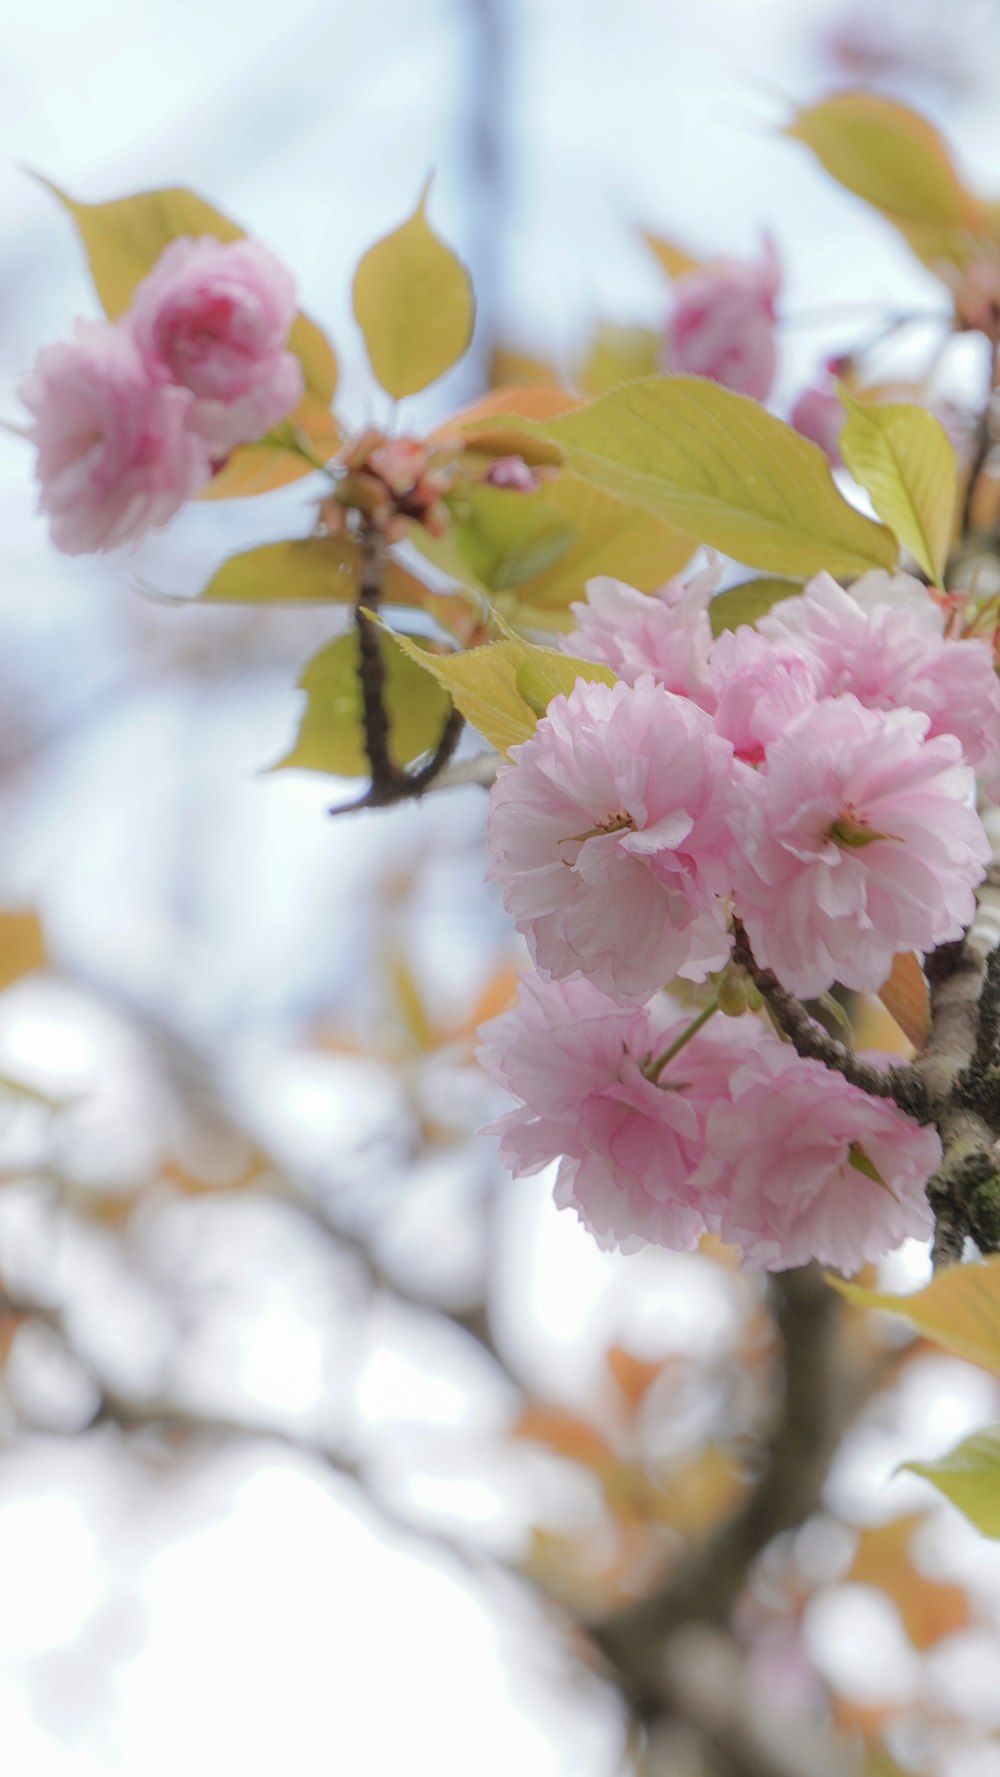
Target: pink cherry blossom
[666,633]
[723,323]
[818,414]
[214,317]
[609,833]
[855,842]
[627,1148]
[761,687]
[812,1168]
[883,642]
[116,457]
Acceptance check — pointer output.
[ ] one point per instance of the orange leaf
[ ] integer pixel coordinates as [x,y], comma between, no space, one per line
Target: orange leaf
[531,402]
[673,260]
[566,1434]
[930,1609]
[22,946]
[905,997]
[634,1375]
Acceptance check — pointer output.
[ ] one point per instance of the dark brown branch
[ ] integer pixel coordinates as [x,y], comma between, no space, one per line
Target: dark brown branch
[815,1044]
[963,1101]
[371,665]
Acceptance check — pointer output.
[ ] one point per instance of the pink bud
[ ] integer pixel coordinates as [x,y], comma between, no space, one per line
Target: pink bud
[514,474]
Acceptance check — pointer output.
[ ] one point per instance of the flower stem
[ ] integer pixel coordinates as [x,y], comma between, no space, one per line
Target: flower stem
[654,1069]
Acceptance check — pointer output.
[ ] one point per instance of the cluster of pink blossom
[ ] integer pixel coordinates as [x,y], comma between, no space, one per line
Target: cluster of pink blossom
[132,417]
[812,779]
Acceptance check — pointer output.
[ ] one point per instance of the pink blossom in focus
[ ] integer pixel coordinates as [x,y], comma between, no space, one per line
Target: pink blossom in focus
[666,633]
[116,457]
[794,1146]
[627,1147]
[723,325]
[761,686]
[854,843]
[609,833]
[818,414]
[214,317]
[883,642]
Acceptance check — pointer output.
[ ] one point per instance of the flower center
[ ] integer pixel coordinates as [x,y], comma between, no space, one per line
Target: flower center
[851,831]
[612,823]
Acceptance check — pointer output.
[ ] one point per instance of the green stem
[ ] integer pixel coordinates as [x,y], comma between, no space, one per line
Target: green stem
[654,1069]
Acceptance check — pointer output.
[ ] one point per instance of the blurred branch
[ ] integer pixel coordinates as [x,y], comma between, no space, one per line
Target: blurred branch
[814,1412]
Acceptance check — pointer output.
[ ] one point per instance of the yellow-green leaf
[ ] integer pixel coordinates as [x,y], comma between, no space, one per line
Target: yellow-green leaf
[970,1477]
[675,261]
[331,735]
[617,355]
[888,155]
[123,240]
[960,1309]
[748,601]
[414,304]
[895,160]
[22,946]
[904,459]
[725,471]
[306,570]
[488,684]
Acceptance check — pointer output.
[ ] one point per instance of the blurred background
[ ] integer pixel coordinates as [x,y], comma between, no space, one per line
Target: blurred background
[321,1442]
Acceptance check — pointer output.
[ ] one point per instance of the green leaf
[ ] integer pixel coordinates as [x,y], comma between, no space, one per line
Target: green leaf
[748,601]
[306,570]
[502,688]
[895,160]
[970,1477]
[123,240]
[507,538]
[414,304]
[904,458]
[331,735]
[725,471]
[960,1309]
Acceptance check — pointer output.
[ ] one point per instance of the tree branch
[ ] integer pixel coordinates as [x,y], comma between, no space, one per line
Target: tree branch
[811,1041]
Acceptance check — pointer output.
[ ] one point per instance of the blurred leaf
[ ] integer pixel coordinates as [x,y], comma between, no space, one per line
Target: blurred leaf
[507,538]
[258,468]
[895,160]
[566,1434]
[617,355]
[970,1477]
[930,1608]
[634,1376]
[674,260]
[410,1003]
[724,470]
[414,304]
[904,459]
[959,1309]
[906,999]
[123,240]
[22,946]
[697,1496]
[510,368]
[748,601]
[488,684]
[331,736]
[306,570]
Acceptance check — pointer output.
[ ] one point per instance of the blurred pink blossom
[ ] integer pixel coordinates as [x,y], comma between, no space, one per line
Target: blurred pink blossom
[853,843]
[812,1167]
[116,456]
[723,324]
[608,830]
[214,317]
